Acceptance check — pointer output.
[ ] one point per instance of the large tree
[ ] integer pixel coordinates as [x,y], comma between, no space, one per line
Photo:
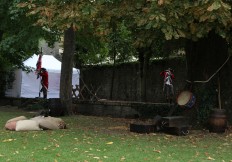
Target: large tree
[19,39]
[199,22]
[146,43]
[202,24]
[66,16]
[147,20]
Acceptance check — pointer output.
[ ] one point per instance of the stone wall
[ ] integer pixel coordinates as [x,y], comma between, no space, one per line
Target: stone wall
[123,109]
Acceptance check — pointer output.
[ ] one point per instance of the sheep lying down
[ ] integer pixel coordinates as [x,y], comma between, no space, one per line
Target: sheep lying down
[21,123]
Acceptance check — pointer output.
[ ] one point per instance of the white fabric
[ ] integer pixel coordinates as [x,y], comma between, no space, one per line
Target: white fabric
[46,123]
[168,79]
[17,119]
[27,125]
[38,118]
[49,122]
[27,85]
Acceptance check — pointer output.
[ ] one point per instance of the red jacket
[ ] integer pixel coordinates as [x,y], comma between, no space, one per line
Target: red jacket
[44,80]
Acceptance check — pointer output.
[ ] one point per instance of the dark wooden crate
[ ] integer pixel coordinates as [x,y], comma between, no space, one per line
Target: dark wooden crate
[142,128]
[175,121]
[180,131]
[176,125]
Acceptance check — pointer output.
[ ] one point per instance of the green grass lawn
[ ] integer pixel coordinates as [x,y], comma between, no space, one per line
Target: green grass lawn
[103,139]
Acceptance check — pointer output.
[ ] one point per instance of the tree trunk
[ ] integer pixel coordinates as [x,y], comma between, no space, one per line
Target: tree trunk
[114,27]
[144,59]
[1,34]
[66,71]
[113,75]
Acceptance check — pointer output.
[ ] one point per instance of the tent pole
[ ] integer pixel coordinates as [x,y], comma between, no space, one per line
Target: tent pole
[39,86]
[41,52]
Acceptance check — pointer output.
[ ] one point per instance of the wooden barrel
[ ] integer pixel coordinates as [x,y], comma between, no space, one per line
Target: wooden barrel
[218,121]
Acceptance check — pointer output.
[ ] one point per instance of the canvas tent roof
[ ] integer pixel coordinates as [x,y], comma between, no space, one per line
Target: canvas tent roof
[27,85]
[48,61]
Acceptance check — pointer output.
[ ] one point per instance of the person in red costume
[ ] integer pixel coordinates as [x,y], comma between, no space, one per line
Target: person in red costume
[44,81]
[168,84]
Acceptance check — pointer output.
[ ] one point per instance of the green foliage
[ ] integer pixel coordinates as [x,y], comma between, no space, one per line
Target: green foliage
[94,49]
[188,19]
[19,38]
[19,35]
[207,100]
[149,23]
[6,79]
[120,44]
[89,48]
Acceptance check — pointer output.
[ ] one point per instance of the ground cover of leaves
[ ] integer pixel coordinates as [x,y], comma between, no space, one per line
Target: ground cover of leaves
[105,139]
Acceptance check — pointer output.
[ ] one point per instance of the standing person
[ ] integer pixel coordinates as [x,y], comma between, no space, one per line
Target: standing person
[168,84]
[44,82]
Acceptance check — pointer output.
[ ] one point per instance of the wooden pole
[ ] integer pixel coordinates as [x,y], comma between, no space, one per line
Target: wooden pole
[219,93]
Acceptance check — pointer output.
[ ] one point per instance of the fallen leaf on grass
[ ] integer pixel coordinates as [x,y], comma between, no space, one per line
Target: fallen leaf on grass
[226,144]
[158,151]
[210,158]
[8,140]
[197,154]
[122,158]
[109,143]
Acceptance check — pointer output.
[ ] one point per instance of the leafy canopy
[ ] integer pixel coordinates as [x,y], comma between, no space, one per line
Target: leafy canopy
[186,19]
[144,19]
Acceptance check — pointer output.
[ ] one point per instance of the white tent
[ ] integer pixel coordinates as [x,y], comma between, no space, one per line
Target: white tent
[27,85]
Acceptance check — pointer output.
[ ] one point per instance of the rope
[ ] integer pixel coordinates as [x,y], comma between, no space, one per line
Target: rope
[211,75]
